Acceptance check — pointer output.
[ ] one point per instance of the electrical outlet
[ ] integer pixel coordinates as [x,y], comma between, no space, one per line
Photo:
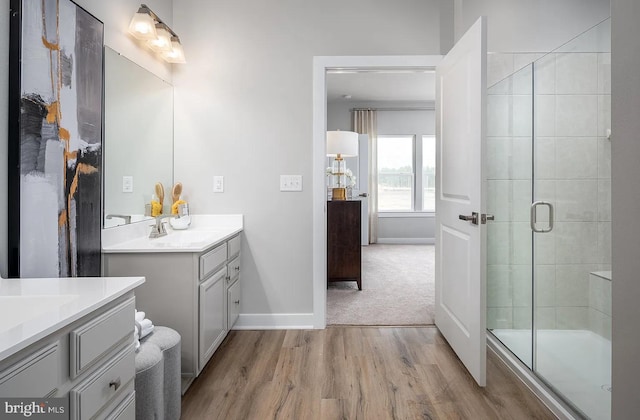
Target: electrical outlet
[127,184]
[218,184]
[290,182]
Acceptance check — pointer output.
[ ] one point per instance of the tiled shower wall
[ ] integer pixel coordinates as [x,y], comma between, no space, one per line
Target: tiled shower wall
[573,171]
[572,157]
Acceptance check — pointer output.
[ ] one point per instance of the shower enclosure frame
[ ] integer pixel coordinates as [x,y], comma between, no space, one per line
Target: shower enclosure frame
[569,299]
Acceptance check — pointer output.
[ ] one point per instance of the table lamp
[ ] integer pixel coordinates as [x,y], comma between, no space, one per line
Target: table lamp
[340,144]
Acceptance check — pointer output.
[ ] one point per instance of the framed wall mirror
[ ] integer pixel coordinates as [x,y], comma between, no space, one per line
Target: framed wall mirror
[138,138]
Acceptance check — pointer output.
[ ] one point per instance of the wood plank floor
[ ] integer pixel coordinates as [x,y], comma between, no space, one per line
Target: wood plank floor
[351,373]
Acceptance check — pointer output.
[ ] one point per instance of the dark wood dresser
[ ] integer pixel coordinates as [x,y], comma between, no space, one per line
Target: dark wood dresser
[343,241]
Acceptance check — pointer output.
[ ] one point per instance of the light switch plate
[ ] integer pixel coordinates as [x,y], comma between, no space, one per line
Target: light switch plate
[290,182]
[218,184]
[127,184]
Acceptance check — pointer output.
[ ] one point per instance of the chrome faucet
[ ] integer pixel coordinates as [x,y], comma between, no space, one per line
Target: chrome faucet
[127,219]
[158,230]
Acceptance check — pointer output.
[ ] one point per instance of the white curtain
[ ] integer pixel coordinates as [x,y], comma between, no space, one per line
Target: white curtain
[365,121]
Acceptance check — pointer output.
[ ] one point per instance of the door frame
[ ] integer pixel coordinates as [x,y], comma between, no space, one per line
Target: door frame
[320,66]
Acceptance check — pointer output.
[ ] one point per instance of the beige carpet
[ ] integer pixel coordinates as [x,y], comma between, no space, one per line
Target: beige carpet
[397,288]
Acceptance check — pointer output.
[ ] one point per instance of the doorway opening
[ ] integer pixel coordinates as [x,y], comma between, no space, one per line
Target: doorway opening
[394,266]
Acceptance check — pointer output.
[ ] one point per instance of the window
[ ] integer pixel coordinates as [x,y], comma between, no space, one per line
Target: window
[428,173]
[395,173]
[402,187]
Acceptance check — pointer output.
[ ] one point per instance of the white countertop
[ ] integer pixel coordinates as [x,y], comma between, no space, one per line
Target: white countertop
[31,309]
[205,231]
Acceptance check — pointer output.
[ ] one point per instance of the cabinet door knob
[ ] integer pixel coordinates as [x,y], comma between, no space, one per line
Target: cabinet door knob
[237,302]
[238,268]
[115,384]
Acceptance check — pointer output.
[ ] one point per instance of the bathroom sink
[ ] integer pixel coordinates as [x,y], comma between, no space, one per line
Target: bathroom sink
[15,310]
[186,238]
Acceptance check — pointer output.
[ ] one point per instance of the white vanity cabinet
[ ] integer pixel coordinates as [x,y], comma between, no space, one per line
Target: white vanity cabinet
[192,292]
[90,361]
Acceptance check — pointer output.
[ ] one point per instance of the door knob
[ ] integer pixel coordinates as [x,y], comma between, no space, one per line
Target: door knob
[485,217]
[363,195]
[473,218]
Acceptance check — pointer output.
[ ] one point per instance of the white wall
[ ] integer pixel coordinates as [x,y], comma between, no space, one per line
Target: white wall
[625,172]
[244,111]
[415,228]
[116,15]
[529,25]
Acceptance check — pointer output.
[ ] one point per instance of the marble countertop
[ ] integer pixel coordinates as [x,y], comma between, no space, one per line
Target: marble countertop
[31,309]
[204,231]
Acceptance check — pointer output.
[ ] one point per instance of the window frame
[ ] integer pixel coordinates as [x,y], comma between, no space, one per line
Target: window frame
[417,196]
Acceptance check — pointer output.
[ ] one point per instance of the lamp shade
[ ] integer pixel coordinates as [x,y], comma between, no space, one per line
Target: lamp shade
[142,25]
[344,143]
[176,55]
[163,42]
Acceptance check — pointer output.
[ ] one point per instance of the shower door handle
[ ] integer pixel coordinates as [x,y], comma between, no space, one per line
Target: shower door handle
[534,214]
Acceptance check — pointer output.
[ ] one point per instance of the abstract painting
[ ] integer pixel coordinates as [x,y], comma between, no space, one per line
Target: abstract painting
[55,139]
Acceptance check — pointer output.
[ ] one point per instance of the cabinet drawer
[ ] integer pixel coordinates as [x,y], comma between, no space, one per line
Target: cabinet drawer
[233,269]
[126,409]
[95,338]
[212,260]
[234,246]
[92,394]
[34,376]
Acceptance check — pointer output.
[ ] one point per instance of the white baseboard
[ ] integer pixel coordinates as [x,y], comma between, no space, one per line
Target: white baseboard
[407,241]
[274,322]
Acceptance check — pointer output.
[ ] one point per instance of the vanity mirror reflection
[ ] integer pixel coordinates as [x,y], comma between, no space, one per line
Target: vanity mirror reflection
[138,138]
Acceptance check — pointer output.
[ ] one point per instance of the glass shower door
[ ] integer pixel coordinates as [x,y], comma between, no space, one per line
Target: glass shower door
[509,194]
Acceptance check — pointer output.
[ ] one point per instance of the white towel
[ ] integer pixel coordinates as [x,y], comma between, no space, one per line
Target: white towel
[136,337]
[140,316]
[143,326]
[145,323]
[146,331]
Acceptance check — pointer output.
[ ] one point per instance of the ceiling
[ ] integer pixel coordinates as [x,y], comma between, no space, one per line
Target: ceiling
[381,86]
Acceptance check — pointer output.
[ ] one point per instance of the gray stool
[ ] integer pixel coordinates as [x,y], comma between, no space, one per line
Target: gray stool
[148,382]
[168,341]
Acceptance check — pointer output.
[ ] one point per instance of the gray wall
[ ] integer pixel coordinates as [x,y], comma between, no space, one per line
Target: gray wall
[414,228]
[529,25]
[244,111]
[625,172]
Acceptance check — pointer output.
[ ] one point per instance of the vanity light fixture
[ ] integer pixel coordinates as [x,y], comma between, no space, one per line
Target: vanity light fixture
[147,26]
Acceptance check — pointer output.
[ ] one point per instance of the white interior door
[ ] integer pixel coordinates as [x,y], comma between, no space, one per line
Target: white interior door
[460,244]
[363,185]
[359,165]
